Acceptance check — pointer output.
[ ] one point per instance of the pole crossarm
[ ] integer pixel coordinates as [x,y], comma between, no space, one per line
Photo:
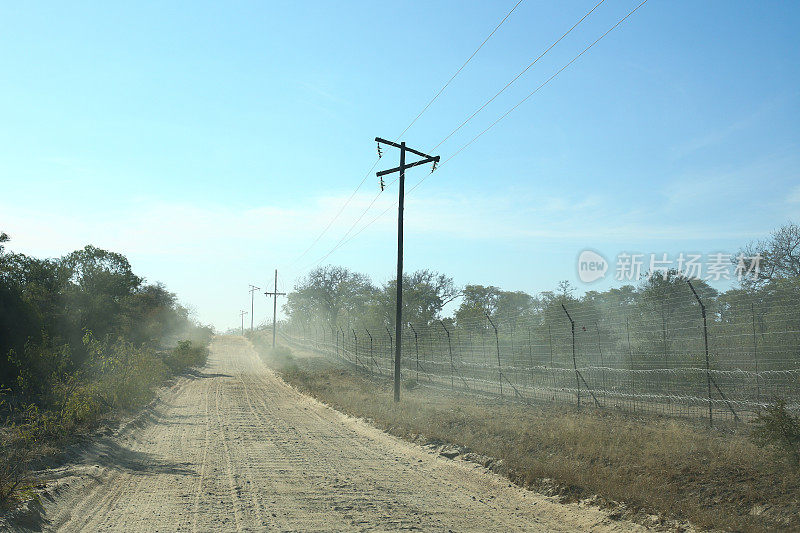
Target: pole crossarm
[253,289]
[391,143]
[428,159]
[270,294]
[274,293]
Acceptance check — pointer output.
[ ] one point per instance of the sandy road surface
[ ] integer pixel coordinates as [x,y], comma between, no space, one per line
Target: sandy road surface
[233,448]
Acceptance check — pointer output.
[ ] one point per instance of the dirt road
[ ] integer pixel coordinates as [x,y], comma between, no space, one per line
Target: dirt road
[233,448]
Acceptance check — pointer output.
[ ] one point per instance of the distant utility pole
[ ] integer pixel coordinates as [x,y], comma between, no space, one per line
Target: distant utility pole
[275,294]
[253,289]
[242,313]
[402,170]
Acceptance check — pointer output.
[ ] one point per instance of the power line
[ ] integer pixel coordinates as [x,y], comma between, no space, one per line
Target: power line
[342,242]
[507,85]
[460,69]
[551,78]
[424,109]
[336,217]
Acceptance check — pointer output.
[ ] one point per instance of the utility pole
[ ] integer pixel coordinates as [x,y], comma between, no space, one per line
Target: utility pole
[399,311]
[242,313]
[253,289]
[275,294]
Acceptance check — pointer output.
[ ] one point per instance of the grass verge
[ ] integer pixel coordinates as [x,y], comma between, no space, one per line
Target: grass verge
[667,467]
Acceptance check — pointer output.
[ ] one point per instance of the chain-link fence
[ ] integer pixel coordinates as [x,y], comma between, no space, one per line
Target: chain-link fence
[635,359]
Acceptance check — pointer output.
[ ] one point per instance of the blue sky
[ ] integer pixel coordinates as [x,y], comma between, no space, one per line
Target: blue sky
[212,142]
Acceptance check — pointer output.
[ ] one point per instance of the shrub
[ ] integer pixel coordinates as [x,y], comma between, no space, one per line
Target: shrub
[776,426]
[185,355]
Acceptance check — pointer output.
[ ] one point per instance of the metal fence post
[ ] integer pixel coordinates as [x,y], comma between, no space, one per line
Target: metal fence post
[450,349]
[574,361]
[416,348]
[497,343]
[633,374]
[602,362]
[755,352]
[371,353]
[391,344]
[530,357]
[355,338]
[705,342]
[344,346]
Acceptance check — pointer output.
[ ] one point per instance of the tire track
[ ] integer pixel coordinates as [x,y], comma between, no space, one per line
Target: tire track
[199,487]
[228,463]
[233,447]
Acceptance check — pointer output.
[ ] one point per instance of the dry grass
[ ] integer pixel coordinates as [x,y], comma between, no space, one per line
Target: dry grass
[713,479]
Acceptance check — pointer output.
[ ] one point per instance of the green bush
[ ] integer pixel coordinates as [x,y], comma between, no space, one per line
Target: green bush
[777,426]
[185,355]
[83,405]
[115,375]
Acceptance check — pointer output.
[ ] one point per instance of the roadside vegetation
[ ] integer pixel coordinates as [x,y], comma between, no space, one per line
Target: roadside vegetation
[82,340]
[651,322]
[637,466]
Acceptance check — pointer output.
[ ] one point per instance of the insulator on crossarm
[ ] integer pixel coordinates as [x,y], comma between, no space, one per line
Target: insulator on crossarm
[433,167]
[380,153]
[383,185]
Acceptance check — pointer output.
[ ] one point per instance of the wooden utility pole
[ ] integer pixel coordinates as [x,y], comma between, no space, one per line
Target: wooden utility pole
[399,311]
[275,294]
[242,313]
[253,289]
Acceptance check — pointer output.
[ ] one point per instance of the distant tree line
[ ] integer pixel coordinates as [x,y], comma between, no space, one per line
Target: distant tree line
[657,319]
[54,312]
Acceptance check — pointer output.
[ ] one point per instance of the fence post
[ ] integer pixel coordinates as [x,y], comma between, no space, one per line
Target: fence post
[633,374]
[574,362]
[530,357]
[371,353]
[391,346]
[497,343]
[343,346]
[449,349]
[355,338]
[513,353]
[602,362]
[552,364]
[416,348]
[705,342]
[755,352]
[337,344]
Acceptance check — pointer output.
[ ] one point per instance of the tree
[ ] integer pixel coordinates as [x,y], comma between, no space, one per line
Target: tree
[425,293]
[565,289]
[480,301]
[100,281]
[780,255]
[665,297]
[49,306]
[331,293]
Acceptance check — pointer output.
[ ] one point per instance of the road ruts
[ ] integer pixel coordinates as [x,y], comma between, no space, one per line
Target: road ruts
[233,448]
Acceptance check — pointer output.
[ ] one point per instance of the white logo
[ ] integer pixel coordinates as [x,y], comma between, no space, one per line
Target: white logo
[591,266]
